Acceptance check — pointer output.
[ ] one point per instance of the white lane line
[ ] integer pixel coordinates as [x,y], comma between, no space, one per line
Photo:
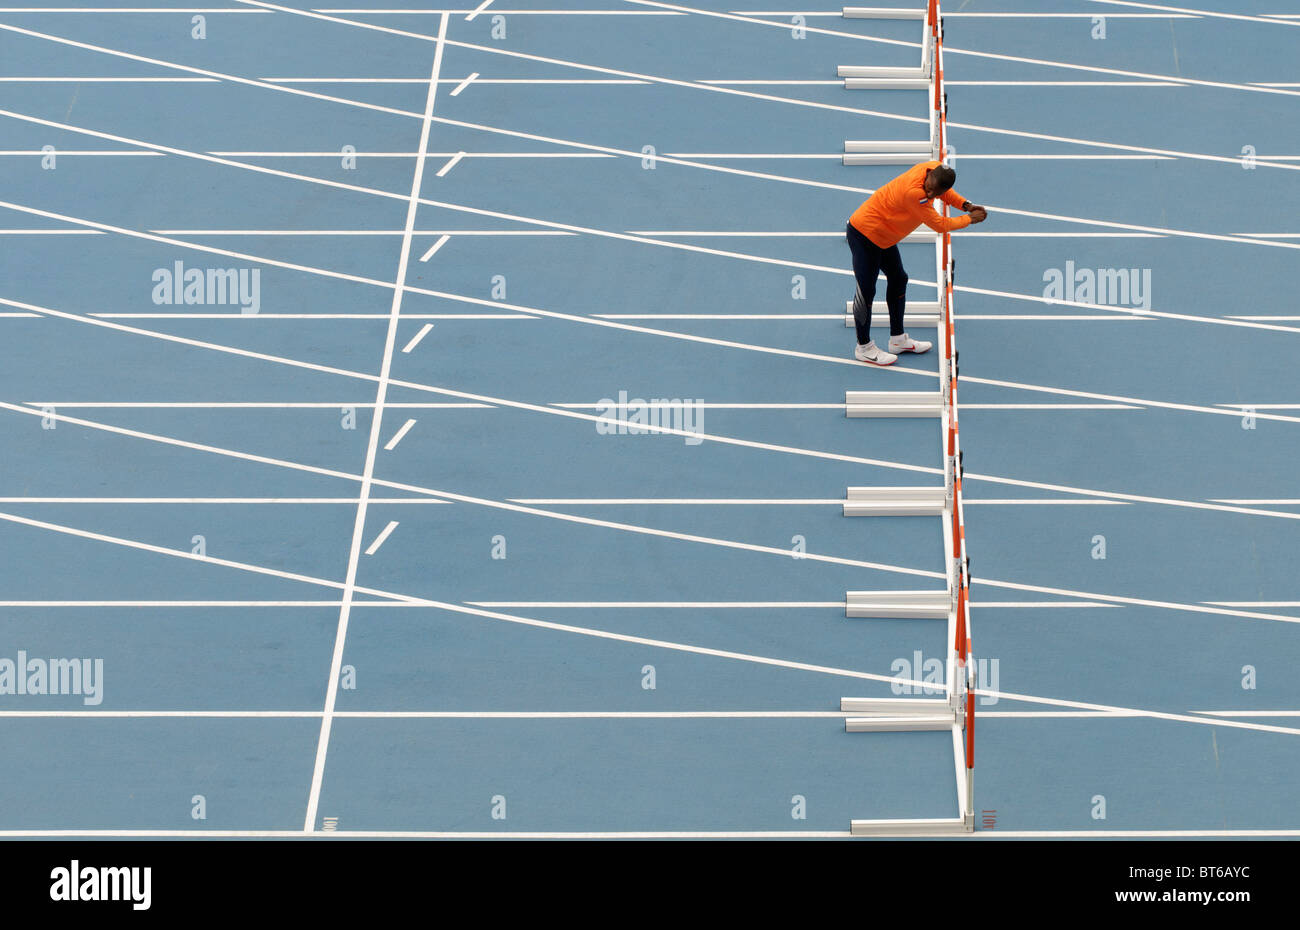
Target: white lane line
[758,156]
[838,605]
[253,405]
[539,714]
[477,10]
[123,9]
[794,101]
[589,417]
[51,79]
[668,404]
[685,605]
[1036,605]
[428,38]
[170,604]
[216,500]
[434,12]
[807,502]
[650,531]
[367,475]
[1018,59]
[379,541]
[948,83]
[392,443]
[598,232]
[947,15]
[176,553]
[1126,311]
[415,340]
[315,317]
[60,40]
[1051,407]
[1024,501]
[465,83]
[463,714]
[1043,317]
[714,437]
[666,158]
[1048,317]
[631,528]
[1249,713]
[658,404]
[603,634]
[455,159]
[682,246]
[744,501]
[1199,13]
[668,431]
[1253,603]
[865,190]
[957,51]
[1145,402]
[327,836]
[538,81]
[832,234]
[1258,500]
[434,248]
[745,605]
[1071,140]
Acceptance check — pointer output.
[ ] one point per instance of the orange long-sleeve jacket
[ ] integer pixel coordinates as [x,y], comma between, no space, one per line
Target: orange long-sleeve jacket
[896,209]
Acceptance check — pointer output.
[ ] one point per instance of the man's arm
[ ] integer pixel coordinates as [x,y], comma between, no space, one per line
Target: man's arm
[954,199]
[940,224]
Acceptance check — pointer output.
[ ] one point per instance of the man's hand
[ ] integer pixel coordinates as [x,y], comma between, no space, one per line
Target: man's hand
[977,213]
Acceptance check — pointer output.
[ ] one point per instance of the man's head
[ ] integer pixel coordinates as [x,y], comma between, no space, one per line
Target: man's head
[939,180]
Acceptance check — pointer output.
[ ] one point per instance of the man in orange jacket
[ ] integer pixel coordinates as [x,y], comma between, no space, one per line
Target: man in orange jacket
[874,231]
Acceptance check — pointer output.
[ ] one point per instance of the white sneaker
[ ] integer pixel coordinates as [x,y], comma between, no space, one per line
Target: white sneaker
[904,343]
[873,355]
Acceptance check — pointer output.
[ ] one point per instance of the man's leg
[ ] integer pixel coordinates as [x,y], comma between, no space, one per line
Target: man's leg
[895,288]
[895,298]
[866,267]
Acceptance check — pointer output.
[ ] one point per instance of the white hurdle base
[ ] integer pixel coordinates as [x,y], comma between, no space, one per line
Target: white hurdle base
[885,158]
[895,502]
[886,145]
[905,706]
[893,404]
[887,83]
[894,723]
[880,12]
[886,152]
[903,605]
[939,827]
[874,71]
[920,313]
